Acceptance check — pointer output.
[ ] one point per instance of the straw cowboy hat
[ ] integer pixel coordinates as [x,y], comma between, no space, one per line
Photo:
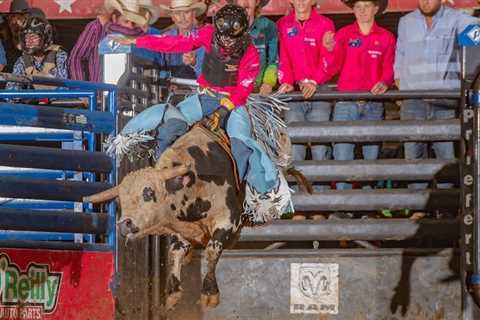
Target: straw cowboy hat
[182,5]
[382,4]
[141,12]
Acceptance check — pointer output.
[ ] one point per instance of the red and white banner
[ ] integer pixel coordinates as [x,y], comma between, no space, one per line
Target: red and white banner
[83,9]
[55,285]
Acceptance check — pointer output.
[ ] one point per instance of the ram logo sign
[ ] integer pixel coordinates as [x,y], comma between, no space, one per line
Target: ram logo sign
[314,288]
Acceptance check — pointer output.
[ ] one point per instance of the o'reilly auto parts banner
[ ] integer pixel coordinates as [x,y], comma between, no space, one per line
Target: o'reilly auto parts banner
[44,284]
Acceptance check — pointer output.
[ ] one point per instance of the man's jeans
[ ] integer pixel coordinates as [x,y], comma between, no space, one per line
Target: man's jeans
[353,111]
[428,110]
[310,111]
[313,111]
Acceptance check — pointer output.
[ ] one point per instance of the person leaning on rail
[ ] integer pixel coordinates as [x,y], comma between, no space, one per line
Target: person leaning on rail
[15,19]
[265,38]
[427,58]
[364,54]
[183,65]
[40,56]
[306,45]
[127,17]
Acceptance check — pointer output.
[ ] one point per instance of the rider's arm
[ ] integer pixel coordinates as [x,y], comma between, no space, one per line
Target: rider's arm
[178,43]
[247,73]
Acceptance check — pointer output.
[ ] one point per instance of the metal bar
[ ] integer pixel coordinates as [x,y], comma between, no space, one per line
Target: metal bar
[55,159]
[12,187]
[42,94]
[373,170]
[53,221]
[57,118]
[56,82]
[366,200]
[53,245]
[389,95]
[374,131]
[352,229]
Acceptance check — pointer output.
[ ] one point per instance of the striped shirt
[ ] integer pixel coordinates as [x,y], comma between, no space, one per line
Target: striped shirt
[85,56]
[84,53]
[430,58]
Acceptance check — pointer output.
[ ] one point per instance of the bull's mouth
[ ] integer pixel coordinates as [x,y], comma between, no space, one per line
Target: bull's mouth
[131,232]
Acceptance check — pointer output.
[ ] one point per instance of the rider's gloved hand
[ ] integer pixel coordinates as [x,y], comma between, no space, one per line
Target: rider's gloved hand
[219,117]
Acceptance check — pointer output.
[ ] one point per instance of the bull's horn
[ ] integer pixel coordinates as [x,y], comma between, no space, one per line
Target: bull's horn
[169,173]
[102,196]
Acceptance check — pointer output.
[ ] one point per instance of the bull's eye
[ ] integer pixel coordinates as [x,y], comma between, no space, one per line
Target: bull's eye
[149,195]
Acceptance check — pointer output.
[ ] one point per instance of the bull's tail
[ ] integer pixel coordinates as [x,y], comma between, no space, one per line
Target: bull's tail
[300,178]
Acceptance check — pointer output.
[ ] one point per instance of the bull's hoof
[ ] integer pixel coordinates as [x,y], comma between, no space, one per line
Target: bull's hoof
[209,301]
[172,300]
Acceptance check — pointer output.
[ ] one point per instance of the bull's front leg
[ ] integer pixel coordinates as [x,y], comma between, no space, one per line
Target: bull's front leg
[210,294]
[179,248]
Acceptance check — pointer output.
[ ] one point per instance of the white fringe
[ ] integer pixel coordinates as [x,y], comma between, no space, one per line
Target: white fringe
[133,145]
[260,208]
[269,129]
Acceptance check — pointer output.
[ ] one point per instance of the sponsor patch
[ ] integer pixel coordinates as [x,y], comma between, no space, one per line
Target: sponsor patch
[354,43]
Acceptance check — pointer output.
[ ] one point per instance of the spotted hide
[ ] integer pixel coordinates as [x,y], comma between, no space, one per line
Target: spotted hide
[190,195]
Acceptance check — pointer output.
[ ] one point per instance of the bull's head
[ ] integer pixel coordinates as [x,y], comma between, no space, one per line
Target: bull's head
[142,198]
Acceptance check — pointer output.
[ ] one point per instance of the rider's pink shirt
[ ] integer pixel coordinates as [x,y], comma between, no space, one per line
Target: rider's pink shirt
[248,68]
[363,60]
[302,54]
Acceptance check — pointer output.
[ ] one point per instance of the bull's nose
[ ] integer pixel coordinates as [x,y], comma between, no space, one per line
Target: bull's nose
[127,227]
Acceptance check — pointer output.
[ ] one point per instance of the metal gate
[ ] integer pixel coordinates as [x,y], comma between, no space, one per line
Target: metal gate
[393,269]
[49,160]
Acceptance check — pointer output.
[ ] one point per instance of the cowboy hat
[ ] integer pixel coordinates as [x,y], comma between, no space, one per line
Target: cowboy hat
[131,10]
[22,6]
[382,4]
[182,5]
[263,3]
[154,11]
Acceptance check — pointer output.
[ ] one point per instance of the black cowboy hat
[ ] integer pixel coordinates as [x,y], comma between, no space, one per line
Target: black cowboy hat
[263,3]
[22,6]
[382,4]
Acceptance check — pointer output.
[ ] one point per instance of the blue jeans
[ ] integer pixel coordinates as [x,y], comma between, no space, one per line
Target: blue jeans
[314,111]
[310,111]
[428,110]
[353,111]
[253,163]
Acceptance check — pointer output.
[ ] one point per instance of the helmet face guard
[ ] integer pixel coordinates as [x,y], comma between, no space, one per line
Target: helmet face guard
[40,27]
[231,26]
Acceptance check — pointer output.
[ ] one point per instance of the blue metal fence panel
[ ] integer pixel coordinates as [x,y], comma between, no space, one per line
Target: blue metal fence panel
[73,128]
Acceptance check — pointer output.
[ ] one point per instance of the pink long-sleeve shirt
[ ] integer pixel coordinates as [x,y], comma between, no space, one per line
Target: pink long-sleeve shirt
[247,71]
[302,54]
[363,60]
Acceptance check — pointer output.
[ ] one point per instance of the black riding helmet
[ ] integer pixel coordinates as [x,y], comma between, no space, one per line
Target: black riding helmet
[231,29]
[40,27]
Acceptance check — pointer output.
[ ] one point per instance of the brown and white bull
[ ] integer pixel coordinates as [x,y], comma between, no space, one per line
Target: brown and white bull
[191,195]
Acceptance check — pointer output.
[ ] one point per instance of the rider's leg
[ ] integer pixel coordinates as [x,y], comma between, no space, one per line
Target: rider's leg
[167,133]
[174,125]
[257,168]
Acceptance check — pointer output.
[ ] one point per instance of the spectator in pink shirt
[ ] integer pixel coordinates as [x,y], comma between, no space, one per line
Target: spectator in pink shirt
[364,55]
[306,45]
